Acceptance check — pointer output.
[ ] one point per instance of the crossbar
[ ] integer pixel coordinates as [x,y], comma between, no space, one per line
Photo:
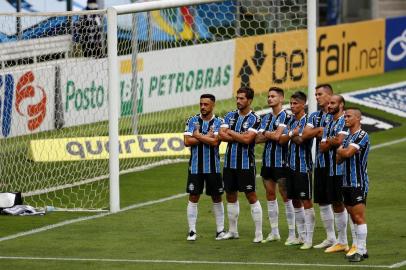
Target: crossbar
[155,5]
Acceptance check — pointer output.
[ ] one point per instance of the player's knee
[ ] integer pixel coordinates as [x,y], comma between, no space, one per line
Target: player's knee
[338,207]
[216,198]
[270,195]
[194,198]
[231,197]
[358,218]
[297,203]
[251,197]
[307,204]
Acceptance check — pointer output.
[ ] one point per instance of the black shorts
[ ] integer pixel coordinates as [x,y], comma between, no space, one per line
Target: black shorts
[299,185]
[239,180]
[274,174]
[214,183]
[324,186]
[334,191]
[354,195]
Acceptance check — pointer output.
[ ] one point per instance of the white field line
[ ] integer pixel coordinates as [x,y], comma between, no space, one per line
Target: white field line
[192,262]
[138,205]
[398,265]
[388,143]
[71,221]
[101,177]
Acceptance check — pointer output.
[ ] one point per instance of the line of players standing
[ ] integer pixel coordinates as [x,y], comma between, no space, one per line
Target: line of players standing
[340,174]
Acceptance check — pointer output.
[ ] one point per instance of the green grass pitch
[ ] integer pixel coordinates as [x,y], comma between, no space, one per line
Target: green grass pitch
[154,236]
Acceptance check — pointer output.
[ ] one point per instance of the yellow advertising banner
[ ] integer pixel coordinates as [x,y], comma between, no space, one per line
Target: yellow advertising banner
[343,52]
[91,148]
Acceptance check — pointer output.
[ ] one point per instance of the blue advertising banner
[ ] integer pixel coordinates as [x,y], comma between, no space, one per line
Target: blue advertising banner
[389,98]
[395,56]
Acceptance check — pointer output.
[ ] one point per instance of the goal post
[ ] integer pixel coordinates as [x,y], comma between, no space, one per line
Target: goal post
[87,96]
[115,11]
[112,14]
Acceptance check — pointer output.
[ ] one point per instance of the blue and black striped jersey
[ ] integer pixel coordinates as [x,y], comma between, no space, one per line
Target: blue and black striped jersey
[275,154]
[299,156]
[239,155]
[333,129]
[320,119]
[355,167]
[203,157]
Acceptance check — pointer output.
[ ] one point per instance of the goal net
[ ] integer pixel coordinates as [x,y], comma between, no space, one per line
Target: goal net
[54,92]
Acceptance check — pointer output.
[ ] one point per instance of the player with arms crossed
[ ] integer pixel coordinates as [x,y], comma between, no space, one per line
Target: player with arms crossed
[299,184]
[353,154]
[201,135]
[274,168]
[333,136]
[322,185]
[239,129]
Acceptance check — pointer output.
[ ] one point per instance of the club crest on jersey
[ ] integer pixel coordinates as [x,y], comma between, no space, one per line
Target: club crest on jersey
[245,125]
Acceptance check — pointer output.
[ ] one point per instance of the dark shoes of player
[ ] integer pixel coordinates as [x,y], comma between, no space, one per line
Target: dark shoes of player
[220,235]
[357,257]
[191,236]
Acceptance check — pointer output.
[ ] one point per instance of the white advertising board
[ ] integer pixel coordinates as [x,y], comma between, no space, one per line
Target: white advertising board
[27,101]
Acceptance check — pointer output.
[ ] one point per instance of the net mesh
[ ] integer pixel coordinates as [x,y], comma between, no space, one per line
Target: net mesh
[53,85]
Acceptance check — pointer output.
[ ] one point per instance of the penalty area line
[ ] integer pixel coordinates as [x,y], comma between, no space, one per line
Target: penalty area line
[190,262]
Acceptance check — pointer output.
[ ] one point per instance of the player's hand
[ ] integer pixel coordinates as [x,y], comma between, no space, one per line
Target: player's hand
[211,132]
[296,131]
[320,133]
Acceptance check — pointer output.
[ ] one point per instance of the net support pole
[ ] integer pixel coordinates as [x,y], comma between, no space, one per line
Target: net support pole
[134,73]
[114,109]
[312,53]
[312,59]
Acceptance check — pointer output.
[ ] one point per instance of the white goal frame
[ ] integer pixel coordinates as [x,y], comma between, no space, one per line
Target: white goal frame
[113,75]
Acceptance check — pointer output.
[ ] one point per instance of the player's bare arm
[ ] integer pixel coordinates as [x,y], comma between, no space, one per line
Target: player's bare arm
[284,139]
[331,142]
[190,140]
[223,135]
[296,137]
[210,138]
[309,132]
[346,152]
[336,141]
[274,135]
[245,138]
[260,138]
[325,145]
